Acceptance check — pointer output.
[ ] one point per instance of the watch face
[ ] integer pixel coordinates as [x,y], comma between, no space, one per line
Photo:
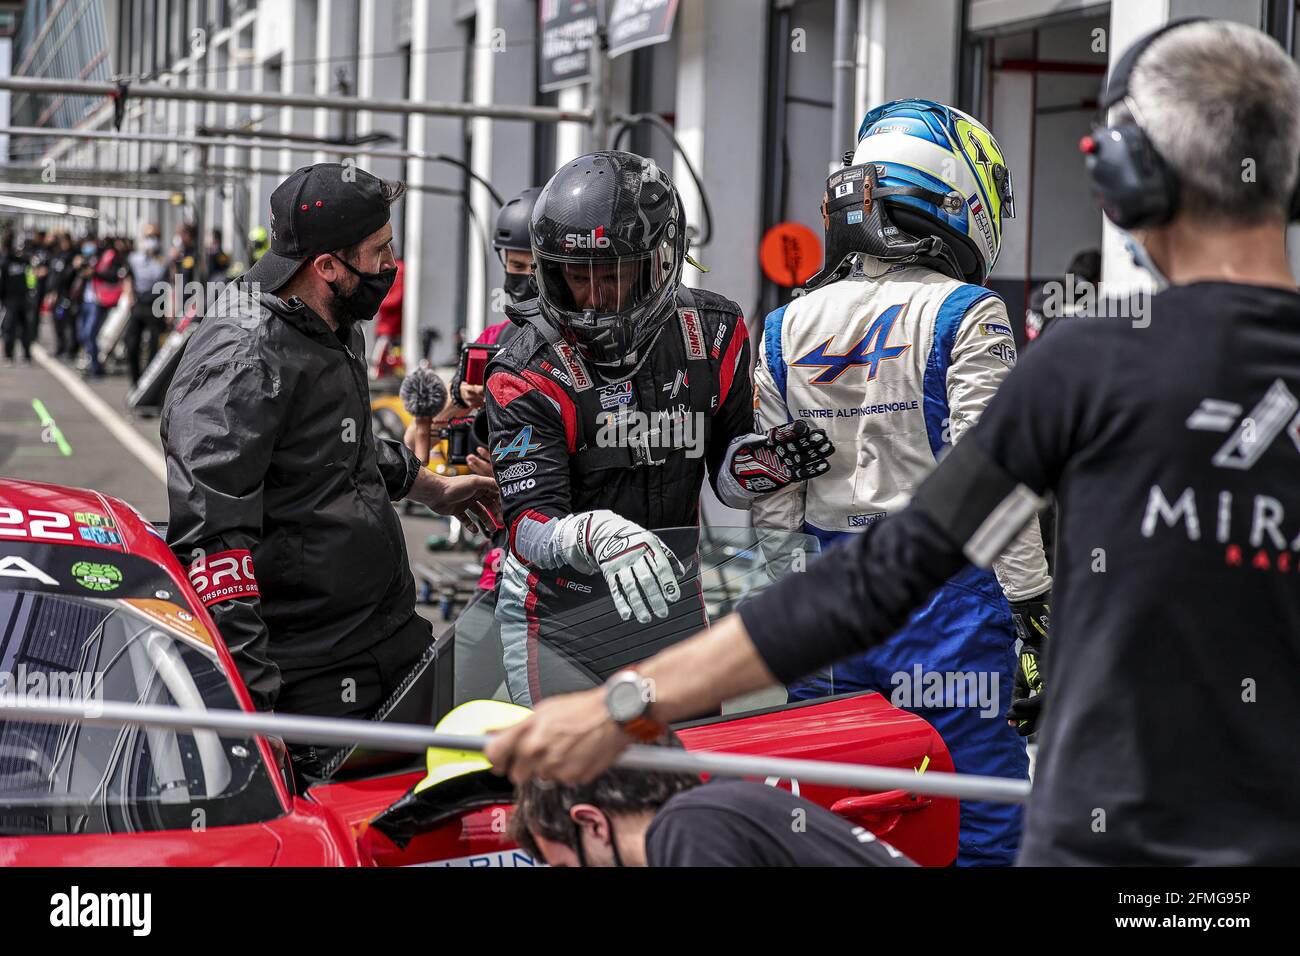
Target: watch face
[624,701]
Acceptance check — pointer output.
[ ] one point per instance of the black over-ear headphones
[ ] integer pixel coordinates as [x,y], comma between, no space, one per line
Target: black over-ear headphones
[1133,184]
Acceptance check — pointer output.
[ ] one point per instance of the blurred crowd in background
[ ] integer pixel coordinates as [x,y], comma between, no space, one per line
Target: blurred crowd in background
[106,298]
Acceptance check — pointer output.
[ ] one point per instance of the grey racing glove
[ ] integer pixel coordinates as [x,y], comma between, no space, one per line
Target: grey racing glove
[641,571]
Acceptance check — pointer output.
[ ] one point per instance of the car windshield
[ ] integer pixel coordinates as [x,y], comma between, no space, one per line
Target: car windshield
[73,777]
[566,634]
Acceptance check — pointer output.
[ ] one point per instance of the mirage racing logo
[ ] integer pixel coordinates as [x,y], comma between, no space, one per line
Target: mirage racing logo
[1253,529]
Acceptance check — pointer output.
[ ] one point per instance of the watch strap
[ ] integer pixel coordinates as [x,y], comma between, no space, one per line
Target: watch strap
[643,729]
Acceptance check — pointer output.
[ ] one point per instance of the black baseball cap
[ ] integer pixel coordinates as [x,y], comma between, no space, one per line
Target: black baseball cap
[319,209]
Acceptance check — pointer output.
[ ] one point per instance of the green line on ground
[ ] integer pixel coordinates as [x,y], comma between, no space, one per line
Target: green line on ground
[47,421]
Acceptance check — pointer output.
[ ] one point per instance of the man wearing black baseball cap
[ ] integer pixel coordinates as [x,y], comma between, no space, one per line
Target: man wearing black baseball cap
[318,211]
[280,495]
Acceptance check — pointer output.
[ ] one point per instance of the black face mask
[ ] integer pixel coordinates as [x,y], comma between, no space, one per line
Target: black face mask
[518,286]
[361,304]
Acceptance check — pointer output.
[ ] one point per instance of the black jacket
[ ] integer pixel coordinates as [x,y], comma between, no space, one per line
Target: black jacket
[698,363]
[266,430]
[545,408]
[13,277]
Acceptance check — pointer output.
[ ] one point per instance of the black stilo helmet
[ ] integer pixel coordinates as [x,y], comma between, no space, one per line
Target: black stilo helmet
[511,230]
[608,242]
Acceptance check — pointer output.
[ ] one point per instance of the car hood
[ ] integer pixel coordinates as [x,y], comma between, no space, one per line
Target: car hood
[307,836]
[252,845]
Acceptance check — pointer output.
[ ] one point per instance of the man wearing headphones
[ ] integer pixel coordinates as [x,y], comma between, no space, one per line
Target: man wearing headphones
[1172,448]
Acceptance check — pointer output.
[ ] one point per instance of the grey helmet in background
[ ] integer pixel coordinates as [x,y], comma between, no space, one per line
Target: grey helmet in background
[511,235]
[609,243]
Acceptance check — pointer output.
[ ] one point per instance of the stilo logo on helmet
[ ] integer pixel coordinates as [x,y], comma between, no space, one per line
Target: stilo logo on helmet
[596,239]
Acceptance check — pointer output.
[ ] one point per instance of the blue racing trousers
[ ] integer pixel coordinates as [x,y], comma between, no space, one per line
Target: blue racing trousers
[953,664]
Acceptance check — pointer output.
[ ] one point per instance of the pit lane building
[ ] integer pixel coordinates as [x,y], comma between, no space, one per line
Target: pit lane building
[749,87]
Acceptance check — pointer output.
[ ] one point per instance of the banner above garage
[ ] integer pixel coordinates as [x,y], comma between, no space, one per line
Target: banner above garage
[637,23]
[567,28]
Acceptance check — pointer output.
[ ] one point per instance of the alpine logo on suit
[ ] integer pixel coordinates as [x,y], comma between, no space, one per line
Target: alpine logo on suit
[870,351]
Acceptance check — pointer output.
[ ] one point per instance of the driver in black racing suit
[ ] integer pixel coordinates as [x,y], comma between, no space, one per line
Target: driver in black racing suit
[603,412]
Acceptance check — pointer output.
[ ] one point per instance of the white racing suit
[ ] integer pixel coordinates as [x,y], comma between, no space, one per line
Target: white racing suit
[895,368]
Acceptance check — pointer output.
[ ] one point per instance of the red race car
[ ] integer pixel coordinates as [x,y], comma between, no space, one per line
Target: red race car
[95,608]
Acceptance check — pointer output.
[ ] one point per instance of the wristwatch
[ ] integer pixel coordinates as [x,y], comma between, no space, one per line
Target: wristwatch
[628,697]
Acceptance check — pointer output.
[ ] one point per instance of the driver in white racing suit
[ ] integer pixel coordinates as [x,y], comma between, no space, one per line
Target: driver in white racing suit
[894,352]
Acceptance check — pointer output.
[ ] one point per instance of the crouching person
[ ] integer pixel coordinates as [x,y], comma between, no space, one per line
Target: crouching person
[638,818]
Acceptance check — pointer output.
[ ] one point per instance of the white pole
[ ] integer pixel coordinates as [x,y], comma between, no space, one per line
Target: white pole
[412,738]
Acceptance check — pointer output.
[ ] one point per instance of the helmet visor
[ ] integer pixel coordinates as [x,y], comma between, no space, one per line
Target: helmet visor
[611,286]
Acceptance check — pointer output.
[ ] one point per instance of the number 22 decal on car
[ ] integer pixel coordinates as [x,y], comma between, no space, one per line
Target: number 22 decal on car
[39,525]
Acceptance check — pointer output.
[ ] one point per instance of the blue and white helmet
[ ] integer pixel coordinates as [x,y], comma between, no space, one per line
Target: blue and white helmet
[926,147]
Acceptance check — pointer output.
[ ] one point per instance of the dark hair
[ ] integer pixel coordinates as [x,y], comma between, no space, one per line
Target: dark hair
[542,806]
[391,190]
[350,253]
[1086,266]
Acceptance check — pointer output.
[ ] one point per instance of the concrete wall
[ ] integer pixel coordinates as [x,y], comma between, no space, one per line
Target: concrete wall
[720,77]
[1040,117]
[711,76]
[808,110]
[921,49]
[509,161]
[434,252]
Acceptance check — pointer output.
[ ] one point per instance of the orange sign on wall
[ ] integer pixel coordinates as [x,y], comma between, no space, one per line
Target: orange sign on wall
[790,254]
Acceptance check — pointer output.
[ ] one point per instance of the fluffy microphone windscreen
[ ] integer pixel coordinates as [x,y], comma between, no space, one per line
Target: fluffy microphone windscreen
[423,393]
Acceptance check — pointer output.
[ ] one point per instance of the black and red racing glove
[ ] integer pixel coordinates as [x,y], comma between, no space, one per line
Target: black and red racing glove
[760,464]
